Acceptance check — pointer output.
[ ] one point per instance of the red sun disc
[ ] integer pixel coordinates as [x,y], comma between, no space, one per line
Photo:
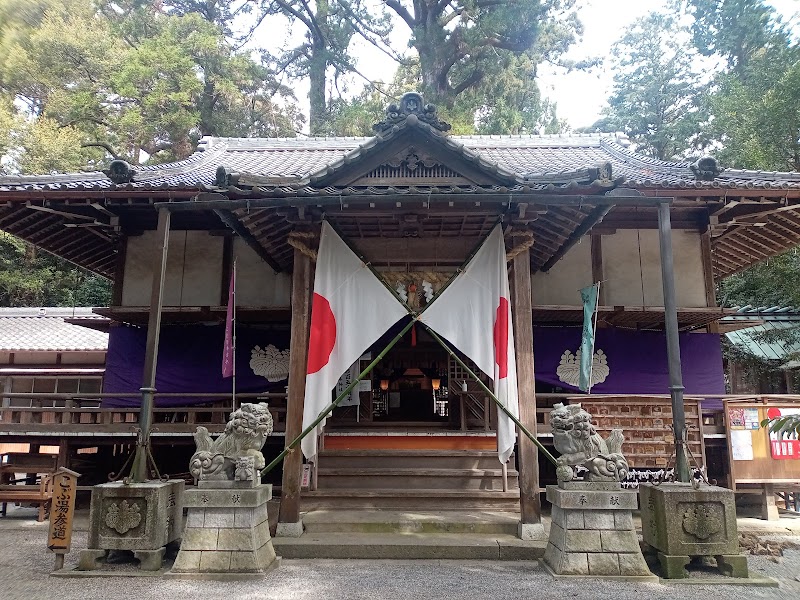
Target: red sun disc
[322,336]
[501,338]
[773,413]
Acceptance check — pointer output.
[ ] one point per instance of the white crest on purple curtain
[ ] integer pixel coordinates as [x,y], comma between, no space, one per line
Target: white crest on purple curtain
[270,363]
[569,369]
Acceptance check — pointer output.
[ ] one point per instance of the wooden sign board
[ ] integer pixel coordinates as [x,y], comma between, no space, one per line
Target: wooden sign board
[756,456]
[62,510]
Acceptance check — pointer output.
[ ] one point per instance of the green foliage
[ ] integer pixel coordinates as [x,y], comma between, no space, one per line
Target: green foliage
[29,277]
[757,112]
[733,29]
[775,282]
[783,426]
[478,59]
[656,94]
[130,80]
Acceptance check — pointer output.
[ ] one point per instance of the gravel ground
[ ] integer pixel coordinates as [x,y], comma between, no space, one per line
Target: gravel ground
[25,564]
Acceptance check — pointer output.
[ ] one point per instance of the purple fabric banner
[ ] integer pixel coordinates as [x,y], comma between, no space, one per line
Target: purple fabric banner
[628,362]
[189,359]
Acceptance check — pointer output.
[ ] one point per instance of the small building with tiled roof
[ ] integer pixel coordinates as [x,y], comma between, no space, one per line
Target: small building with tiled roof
[49,350]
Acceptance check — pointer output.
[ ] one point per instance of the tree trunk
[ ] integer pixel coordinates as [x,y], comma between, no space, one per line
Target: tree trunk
[317,67]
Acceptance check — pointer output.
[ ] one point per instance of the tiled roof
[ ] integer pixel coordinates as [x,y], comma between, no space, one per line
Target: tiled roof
[46,329]
[525,158]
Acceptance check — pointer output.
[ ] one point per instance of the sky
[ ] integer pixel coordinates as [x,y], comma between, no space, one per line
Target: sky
[579,96]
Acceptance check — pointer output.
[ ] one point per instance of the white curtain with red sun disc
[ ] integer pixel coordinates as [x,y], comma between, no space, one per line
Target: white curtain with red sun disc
[474,314]
[350,310]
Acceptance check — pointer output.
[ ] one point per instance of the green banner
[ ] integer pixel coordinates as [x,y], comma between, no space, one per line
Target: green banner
[589,298]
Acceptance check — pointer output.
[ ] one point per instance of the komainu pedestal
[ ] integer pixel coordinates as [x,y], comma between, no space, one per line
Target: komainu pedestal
[141,517]
[592,533]
[682,522]
[227,529]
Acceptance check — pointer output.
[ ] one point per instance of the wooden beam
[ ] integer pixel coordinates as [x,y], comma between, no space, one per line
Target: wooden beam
[231,221]
[227,267]
[530,503]
[708,271]
[590,221]
[212,201]
[119,272]
[302,287]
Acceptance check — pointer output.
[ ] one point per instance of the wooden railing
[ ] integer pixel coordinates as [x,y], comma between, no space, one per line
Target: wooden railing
[83,415]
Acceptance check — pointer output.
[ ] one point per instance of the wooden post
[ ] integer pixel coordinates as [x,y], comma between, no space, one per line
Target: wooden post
[298,355]
[139,471]
[708,276]
[62,513]
[597,265]
[530,503]
[63,454]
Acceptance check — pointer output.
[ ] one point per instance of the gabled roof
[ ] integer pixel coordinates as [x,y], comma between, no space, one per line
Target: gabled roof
[49,330]
[307,161]
[249,183]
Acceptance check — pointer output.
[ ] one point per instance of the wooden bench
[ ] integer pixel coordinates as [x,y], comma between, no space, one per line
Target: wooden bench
[41,494]
[33,488]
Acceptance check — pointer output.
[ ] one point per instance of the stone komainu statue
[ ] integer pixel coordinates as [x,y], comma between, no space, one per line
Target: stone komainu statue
[576,439]
[227,457]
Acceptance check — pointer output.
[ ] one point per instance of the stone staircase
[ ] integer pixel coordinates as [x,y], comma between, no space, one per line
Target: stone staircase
[412,480]
[394,534]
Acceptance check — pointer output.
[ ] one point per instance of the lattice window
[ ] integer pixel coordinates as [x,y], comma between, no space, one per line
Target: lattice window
[403,171]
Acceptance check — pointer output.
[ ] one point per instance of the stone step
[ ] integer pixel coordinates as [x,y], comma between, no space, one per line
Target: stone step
[433,478]
[405,499]
[408,546]
[422,459]
[387,521]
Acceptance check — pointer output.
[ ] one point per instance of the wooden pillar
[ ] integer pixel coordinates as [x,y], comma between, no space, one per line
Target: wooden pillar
[708,276]
[530,503]
[597,265]
[119,272]
[63,454]
[298,356]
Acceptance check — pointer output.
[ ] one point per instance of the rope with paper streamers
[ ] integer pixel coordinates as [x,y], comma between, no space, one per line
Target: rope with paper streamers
[519,248]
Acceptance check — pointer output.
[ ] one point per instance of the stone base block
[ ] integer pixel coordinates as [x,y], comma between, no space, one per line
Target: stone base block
[733,565]
[150,560]
[592,533]
[531,532]
[223,539]
[88,559]
[293,530]
[673,567]
[136,516]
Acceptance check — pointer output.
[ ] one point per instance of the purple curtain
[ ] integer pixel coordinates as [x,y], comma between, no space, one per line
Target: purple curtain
[189,360]
[636,360]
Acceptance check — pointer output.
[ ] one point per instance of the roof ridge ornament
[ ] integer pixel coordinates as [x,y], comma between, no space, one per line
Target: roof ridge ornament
[119,171]
[412,110]
[705,168]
